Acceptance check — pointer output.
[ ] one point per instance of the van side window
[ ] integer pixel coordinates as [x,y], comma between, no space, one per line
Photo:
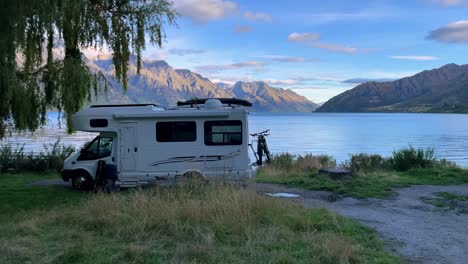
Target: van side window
[178,131]
[227,132]
[100,147]
[98,123]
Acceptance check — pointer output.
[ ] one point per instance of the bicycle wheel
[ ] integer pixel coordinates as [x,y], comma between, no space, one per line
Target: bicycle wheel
[260,154]
[267,152]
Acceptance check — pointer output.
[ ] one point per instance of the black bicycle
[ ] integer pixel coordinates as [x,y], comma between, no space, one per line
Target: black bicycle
[262,147]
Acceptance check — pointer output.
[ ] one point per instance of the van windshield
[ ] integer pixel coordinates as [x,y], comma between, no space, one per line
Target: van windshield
[100,147]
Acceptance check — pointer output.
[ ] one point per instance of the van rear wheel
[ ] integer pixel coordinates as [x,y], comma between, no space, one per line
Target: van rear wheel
[192,178]
[82,181]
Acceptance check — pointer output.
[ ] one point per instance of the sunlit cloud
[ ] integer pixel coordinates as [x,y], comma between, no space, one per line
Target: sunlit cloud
[201,11]
[280,58]
[232,66]
[415,58]
[183,52]
[285,82]
[312,39]
[303,37]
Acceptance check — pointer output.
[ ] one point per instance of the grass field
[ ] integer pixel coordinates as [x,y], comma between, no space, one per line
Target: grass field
[372,175]
[377,184]
[191,224]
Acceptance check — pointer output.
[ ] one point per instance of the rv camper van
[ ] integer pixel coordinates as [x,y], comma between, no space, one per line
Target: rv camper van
[147,143]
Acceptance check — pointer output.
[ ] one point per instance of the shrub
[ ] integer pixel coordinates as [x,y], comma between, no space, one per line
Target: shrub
[284,164]
[311,162]
[50,159]
[366,162]
[282,161]
[410,157]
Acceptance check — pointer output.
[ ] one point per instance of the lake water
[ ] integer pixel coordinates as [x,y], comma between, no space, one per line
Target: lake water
[325,133]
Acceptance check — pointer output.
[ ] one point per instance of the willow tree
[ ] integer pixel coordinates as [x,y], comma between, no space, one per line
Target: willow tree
[33,80]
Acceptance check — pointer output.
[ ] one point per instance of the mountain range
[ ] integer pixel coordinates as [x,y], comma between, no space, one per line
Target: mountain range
[159,83]
[441,90]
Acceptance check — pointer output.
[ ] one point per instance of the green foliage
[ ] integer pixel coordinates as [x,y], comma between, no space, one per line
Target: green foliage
[51,159]
[366,162]
[373,175]
[196,227]
[410,157]
[288,162]
[33,81]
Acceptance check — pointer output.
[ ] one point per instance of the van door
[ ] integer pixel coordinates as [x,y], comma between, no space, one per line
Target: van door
[128,147]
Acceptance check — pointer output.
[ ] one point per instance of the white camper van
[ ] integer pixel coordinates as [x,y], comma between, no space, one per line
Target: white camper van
[146,143]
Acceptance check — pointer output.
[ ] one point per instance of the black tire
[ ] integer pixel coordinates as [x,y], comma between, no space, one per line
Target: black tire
[109,186]
[260,154]
[82,181]
[191,178]
[267,153]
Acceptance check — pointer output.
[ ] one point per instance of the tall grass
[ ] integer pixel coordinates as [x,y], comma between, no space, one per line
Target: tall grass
[401,160]
[211,224]
[286,164]
[410,157]
[13,157]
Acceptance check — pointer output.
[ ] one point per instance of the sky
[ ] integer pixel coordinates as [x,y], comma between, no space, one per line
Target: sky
[313,47]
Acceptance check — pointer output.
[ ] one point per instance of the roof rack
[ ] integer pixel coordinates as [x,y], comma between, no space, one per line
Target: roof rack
[123,105]
[227,101]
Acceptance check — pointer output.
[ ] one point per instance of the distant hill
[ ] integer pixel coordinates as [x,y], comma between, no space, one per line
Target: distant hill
[439,90]
[267,98]
[159,83]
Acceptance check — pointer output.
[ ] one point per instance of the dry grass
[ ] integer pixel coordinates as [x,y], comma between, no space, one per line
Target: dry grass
[204,224]
[285,164]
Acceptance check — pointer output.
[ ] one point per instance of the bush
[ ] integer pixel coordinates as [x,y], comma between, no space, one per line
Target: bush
[50,159]
[310,162]
[366,162]
[410,157]
[287,164]
[282,161]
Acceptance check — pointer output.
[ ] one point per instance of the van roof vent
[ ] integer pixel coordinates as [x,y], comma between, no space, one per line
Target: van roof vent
[213,104]
[225,101]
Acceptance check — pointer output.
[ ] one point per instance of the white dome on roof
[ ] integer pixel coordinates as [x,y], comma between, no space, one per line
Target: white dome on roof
[213,104]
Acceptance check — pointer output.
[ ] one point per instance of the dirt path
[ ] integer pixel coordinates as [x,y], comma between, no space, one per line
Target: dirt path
[417,231]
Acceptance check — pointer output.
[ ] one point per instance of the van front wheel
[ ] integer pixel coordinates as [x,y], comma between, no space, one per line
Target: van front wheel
[81,181]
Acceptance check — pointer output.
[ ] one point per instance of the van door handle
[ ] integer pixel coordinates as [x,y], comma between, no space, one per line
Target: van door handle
[113,159]
[136,149]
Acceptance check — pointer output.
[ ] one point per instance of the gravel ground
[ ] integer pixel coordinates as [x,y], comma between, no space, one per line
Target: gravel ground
[417,231]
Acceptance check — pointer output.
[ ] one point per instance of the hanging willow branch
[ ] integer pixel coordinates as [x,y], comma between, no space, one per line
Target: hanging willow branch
[33,81]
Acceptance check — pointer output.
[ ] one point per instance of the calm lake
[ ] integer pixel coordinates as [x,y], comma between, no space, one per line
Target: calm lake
[325,133]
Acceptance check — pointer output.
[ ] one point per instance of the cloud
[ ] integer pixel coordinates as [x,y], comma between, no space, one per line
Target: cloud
[364,80]
[451,2]
[456,32]
[280,58]
[285,82]
[258,16]
[415,58]
[183,52]
[231,79]
[156,55]
[303,37]
[312,39]
[335,47]
[232,66]
[202,11]
[241,29]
